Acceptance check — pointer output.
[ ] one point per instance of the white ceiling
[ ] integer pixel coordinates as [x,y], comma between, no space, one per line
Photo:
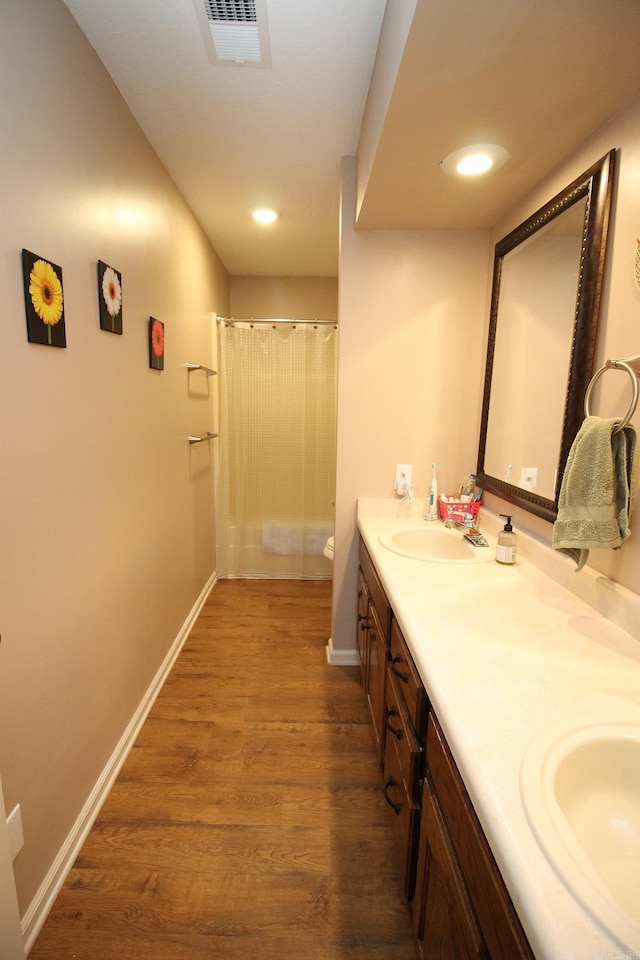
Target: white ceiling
[234,138]
[538,76]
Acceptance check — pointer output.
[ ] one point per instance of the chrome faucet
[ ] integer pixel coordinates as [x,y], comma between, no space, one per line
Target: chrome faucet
[461,521]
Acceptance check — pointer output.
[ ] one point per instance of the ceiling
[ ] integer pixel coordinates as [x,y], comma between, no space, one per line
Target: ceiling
[537,76]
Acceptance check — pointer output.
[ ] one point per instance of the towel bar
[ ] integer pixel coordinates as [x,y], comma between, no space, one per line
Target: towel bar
[205,436]
[625,365]
[198,366]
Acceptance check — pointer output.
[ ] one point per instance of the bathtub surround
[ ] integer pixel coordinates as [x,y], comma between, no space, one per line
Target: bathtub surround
[288,538]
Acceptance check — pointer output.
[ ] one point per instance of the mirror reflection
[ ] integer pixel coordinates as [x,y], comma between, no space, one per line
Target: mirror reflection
[545,302]
[538,291]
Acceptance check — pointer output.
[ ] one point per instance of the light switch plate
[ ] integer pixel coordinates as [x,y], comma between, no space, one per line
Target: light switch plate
[14,829]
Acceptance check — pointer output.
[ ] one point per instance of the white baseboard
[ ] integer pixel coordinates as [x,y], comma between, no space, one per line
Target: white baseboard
[41,904]
[341,658]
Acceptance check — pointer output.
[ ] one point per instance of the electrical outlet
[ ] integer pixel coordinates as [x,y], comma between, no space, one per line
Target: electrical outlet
[403,478]
[528,478]
[14,829]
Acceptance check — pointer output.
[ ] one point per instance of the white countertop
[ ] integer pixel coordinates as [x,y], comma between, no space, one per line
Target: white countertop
[504,652]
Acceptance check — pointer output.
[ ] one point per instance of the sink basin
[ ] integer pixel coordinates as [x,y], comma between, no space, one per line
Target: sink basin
[581,794]
[436,543]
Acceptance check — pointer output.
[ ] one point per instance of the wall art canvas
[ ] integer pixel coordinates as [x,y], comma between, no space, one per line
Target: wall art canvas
[44,300]
[156,344]
[110,298]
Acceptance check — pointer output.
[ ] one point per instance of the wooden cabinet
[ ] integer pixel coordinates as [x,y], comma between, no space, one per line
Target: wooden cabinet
[398,707]
[462,908]
[405,720]
[409,684]
[374,616]
[445,924]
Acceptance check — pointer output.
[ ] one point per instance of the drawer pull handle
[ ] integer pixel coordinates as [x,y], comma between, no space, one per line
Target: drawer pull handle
[399,673]
[394,730]
[394,806]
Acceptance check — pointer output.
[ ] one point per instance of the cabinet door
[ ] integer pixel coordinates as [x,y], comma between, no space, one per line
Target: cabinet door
[404,813]
[400,733]
[362,630]
[445,924]
[377,674]
[501,928]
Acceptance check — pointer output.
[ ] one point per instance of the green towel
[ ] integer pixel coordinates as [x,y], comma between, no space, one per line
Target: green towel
[594,505]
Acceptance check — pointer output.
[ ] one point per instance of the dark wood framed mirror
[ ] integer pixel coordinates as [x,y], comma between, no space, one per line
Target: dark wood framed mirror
[545,303]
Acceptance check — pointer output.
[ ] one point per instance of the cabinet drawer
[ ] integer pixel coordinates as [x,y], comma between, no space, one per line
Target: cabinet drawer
[400,735]
[403,669]
[501,928]
[405,818]
[376,590]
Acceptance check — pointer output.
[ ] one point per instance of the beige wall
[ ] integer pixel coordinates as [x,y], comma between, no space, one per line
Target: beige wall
[107,525]
[619,332]
[301,298]
[413,326]
[396,24]
[412,319]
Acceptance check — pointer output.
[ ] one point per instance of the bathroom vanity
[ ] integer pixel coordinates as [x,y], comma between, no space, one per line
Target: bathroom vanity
[464,665]
[460,900]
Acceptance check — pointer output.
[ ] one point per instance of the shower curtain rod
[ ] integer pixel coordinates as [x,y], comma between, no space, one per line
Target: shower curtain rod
[233,320]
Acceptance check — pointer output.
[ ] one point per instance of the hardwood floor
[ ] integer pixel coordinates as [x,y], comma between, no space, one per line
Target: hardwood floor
[248,820]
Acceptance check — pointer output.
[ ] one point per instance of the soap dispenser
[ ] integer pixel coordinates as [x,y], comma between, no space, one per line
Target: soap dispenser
[507,539]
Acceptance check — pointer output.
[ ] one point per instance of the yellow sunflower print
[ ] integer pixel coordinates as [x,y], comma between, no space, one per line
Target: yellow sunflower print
[45,290]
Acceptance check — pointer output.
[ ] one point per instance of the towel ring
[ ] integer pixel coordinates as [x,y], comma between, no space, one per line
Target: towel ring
[620,365]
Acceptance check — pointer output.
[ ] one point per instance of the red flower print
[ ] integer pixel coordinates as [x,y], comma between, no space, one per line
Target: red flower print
[157,338]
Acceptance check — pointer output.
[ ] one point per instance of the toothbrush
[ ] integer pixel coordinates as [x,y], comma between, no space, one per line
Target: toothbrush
[433,493]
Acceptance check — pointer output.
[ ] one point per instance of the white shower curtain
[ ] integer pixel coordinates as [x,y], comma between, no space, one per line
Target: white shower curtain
[276,484]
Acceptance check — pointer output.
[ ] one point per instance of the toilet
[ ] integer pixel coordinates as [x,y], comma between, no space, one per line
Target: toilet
[328,552]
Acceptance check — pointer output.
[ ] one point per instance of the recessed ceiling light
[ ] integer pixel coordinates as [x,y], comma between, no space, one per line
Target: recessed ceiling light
[264,216]
[476,159]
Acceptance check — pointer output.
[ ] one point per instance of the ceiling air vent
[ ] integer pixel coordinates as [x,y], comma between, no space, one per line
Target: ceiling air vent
[236,10]
[235,32]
